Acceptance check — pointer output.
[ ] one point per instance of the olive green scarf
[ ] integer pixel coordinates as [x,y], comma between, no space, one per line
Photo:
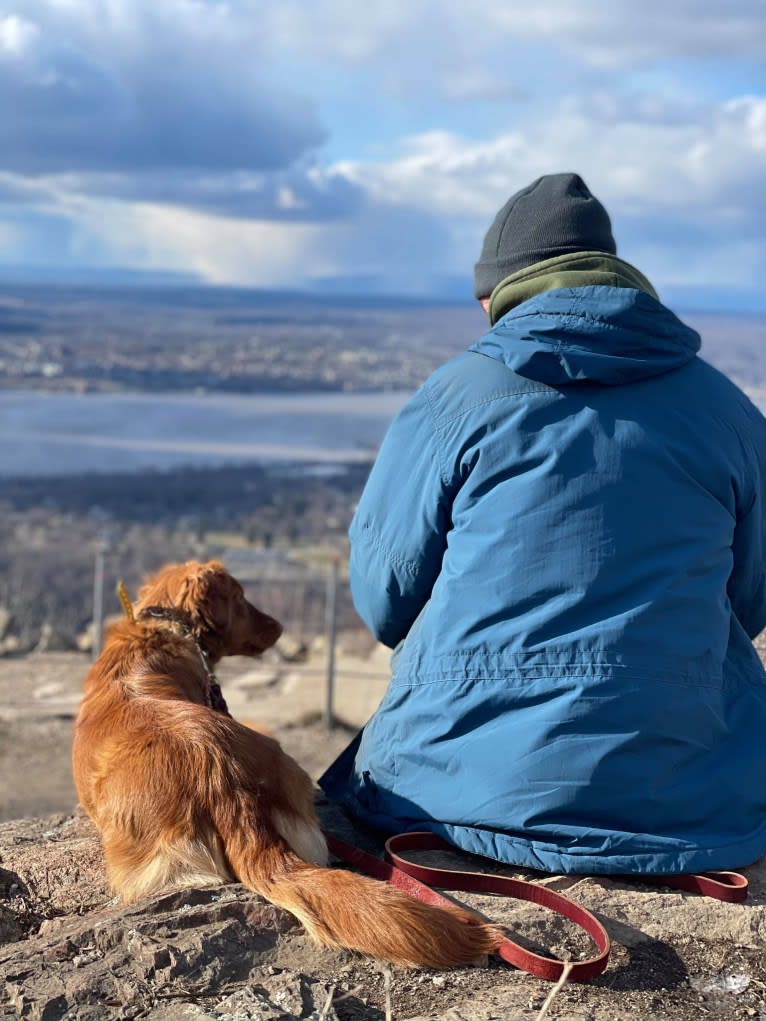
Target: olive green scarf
[577,270]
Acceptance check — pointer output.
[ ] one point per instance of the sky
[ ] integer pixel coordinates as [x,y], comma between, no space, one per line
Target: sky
[365,147]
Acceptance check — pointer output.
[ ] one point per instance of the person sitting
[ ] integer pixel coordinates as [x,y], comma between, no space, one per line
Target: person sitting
[563,538]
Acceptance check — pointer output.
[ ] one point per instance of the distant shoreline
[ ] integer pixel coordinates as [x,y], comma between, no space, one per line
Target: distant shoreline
[46,434]
[62,434]
[87,387]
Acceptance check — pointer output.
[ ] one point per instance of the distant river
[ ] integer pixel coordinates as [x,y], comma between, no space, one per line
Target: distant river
[61,434]
[64,434]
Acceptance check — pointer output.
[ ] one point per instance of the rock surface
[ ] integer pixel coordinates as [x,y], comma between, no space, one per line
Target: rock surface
[70,951]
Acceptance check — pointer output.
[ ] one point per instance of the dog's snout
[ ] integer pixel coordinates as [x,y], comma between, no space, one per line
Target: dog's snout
[272,628]
[266,628]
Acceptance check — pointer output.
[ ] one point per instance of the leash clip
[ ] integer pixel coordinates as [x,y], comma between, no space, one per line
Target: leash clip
[127,605]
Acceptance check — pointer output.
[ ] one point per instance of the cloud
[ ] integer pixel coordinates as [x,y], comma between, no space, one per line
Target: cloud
[186,134]
[386,244]
[184,102]
[16,188]
[299,194]
[684,185]
[132,86]
[609,35]
[606,35]
[686,197]
[639,154]
[11,237]
[165,103]
[40,238]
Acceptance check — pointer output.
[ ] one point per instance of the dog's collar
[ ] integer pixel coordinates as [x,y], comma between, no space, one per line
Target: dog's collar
[181,625]
[180,622]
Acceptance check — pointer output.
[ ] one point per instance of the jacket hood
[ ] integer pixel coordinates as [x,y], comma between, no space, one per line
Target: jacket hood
[591,334]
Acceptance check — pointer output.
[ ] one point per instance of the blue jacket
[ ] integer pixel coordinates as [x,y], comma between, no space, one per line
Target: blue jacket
[564,536]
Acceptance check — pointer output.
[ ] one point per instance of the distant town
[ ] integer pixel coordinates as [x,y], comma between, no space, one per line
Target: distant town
[196,339]
[190,338]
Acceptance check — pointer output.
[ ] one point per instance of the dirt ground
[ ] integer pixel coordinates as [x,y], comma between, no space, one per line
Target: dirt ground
[40,693]
[67,953]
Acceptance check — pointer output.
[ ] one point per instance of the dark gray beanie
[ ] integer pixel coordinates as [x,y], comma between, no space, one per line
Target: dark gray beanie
[555,215]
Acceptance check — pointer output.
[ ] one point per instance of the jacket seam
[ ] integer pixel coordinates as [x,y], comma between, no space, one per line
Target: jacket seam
[554,849]
[596,659]
[393,558]
[490,400]
[430,401]
[573,314]
[512,676]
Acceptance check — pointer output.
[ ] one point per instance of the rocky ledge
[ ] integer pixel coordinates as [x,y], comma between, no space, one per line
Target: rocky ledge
[68,951]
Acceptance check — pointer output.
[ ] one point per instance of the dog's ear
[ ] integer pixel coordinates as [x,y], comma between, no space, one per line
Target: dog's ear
[163,588]
[207,596]
[200,592]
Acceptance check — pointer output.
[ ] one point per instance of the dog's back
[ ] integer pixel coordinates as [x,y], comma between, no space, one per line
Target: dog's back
[139,739]
[184,795]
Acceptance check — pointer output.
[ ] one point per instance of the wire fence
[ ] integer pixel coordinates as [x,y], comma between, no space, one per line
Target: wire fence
[309,599]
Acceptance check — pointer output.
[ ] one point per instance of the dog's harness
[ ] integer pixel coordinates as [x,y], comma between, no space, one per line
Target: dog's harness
[181,626]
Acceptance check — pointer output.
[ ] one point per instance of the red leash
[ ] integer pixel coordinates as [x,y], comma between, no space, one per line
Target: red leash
[417,880]
[731,887]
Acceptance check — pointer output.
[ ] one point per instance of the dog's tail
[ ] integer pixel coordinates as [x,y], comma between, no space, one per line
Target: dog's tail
[343,909]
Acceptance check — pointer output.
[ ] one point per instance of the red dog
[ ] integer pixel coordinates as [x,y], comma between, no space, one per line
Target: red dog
[184,795]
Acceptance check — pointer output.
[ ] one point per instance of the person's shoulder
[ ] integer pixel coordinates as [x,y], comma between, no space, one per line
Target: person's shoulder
[726,414]
[725,389]
[472,380]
